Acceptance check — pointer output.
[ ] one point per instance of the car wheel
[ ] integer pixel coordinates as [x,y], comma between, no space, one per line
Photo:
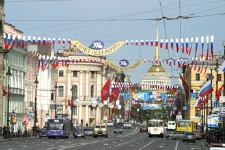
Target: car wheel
[121,132]
[106,136]
[114,132]
[194,141]
[183,141]
[170,137]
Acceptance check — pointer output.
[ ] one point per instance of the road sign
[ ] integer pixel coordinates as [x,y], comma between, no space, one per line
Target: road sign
[126,96]
[216,104]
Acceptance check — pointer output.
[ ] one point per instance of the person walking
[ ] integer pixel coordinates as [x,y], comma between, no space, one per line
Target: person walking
[19,131]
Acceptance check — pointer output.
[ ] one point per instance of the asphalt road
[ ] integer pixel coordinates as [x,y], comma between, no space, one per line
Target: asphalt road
[131,139]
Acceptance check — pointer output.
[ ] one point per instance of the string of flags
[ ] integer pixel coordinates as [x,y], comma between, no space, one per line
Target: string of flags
[185,45]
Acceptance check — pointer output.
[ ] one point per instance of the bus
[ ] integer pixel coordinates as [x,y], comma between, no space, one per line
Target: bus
[186,126]
[156,128]
[58,128]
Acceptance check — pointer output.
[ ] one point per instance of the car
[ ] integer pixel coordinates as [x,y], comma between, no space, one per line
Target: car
[89,131]
[110,123]
[198,135]
[100,129]
[189,136]
[118,129]
[143,128]
[78,132]
[43,133]
[175,135]
[127,125]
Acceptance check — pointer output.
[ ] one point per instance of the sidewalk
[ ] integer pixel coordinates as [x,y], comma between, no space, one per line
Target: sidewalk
[16,138]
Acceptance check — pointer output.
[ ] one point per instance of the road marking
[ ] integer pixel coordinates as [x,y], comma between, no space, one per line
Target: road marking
[147,144]
[176,145]
[124,143]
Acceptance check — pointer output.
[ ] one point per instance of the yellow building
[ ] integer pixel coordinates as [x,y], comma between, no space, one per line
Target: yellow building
[195,79]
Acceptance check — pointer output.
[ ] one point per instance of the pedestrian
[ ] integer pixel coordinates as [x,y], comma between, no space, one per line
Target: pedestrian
[86,124]
[19,131]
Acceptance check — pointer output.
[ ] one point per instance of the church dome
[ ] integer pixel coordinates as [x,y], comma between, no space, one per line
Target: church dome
[156,68]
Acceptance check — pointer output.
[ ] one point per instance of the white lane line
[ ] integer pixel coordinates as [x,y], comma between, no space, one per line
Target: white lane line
[124,143]
[147,144]
[176,146]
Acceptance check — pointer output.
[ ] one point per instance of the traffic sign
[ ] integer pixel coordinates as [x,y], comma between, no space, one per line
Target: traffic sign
[126,96]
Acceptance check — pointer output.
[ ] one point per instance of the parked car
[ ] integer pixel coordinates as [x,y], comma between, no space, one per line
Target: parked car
[43,133]
[78,132]
[175,135]
[110,123]
[118,129]
[143,128]
[89,131]
[198,135]
[189,136]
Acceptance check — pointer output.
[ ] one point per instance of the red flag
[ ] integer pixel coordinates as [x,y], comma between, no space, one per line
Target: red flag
[69,102]
[218,93]
[114,94]
[105,90]
[4,91]
[184,84]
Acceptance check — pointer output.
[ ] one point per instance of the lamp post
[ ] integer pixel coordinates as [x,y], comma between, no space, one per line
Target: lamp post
[35,107]
[55,101]
[71,105]
[216,69]
[211,68]
[8,75]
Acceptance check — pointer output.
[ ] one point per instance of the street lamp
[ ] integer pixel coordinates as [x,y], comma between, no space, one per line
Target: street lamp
[35,107]
[216,69]
[8,75]
[71,105]
[55,101]
[211,78]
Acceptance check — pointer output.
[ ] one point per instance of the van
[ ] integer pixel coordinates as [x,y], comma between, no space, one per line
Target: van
[171,125]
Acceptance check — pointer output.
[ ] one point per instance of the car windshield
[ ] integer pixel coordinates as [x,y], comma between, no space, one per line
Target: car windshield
[118,127]
[88,129]
[189,133]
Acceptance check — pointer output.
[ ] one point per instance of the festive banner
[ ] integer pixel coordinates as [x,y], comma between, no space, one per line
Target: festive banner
[119,68]
[102,52]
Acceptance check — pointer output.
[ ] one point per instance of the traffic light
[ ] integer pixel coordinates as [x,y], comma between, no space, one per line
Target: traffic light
[52,96]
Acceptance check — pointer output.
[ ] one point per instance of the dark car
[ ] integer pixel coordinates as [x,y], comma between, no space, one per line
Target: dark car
[189,136]
[118,129]
[198,135]
[143,128]
[78,132]
[89,131]
[43,133]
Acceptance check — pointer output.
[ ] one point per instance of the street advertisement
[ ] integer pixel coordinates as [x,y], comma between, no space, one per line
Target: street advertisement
[213,121]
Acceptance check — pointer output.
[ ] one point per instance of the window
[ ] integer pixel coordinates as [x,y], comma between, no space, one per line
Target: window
[197,77]
[60,91]
[61,73]
[74,110]
[92,91]
[74,92]
[91,111]
[219,78]
[74,73]
[92,74]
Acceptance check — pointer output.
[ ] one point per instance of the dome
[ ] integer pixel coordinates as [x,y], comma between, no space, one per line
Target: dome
[156,68]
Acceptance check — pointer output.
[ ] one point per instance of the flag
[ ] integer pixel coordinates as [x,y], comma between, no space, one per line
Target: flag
[202,41]
[34,40]
[222,67]
[184,85]
[182,45]
[171,43]
[167,47]
[146,42]
[161,43]
[206,89]
[114,94]
[142,43]
[18,41]
[212,52]
[5,42]
[23,41]
[156,42]
[105,91]
[187,48]
[177,45]
[218,93]
[190,46]
[136,42]
[151,42]
[4,91]
[39,41]
[196,46]
[44,41]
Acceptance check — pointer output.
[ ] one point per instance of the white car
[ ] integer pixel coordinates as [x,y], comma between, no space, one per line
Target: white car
[110,123]
[127,125]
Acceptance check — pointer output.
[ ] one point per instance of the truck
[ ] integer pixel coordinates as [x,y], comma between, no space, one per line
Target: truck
[100,129]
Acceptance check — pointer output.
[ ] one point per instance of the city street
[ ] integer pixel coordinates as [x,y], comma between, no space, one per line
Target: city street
[131,139]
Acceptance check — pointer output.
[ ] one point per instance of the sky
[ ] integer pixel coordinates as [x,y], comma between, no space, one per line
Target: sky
[120,20]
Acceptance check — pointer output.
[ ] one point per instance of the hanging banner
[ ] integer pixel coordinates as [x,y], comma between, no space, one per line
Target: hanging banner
[102,52]
[25,119]
[119,68]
